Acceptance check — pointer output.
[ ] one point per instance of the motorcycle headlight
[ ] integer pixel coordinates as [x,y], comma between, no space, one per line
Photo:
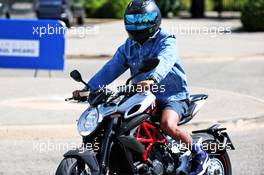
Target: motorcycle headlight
[88,121]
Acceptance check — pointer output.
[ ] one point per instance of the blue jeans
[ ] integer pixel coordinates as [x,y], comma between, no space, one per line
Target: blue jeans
[180,107]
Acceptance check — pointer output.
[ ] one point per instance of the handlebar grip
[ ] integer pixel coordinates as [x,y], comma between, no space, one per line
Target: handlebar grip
[69,99]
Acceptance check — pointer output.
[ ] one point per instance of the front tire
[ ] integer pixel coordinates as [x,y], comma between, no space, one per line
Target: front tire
[70,166]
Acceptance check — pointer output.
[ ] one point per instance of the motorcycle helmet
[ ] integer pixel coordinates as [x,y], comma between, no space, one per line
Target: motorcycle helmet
[142,19]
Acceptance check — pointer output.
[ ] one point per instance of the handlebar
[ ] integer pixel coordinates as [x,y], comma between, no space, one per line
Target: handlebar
[82,95]
[121,90]
[69,99]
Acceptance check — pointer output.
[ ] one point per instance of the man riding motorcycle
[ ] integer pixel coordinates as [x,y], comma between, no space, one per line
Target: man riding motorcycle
[147,40]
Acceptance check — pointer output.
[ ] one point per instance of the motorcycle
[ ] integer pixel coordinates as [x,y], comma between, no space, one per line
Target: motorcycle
[121,136]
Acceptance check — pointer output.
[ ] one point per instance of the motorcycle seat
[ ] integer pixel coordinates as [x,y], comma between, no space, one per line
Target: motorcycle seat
[195,101]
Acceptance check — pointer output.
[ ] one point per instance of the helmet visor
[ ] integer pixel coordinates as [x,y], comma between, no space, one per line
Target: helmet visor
[140,21]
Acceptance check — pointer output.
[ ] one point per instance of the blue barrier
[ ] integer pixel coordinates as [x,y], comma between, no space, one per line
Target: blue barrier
[32,44]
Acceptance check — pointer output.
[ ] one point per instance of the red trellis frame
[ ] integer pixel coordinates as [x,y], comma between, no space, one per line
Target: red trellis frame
[148,134]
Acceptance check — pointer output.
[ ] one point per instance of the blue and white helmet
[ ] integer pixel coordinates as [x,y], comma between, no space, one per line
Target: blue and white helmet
[142,19]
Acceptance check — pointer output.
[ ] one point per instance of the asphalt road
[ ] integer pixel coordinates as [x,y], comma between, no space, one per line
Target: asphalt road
[240,79]
[34,107]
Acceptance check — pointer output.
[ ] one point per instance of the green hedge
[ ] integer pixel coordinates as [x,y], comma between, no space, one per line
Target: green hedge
[106,8]
[253,15]
[233,5]
[113,9]
[211,5]
[92,7]
[169,7]
[116,8]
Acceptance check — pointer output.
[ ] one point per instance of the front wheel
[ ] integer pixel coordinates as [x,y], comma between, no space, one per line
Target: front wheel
[70,166]
[220,165]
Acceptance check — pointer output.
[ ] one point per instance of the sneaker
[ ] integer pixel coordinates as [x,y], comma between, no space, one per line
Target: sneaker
[183,169]
[199,163]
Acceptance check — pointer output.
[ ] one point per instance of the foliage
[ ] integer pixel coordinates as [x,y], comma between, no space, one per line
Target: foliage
[209,4]
[78,3]
[233,5]
[116,8]
[106,8]
[185,4]
[92,7]
[253,15]
[228,5]
[113,9]
[168,7]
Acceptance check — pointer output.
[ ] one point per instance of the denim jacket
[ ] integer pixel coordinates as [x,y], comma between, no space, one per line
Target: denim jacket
[169,74]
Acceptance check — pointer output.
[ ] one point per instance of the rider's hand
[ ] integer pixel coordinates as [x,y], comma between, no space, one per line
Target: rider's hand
[80,95]
[76,94]
[144,85]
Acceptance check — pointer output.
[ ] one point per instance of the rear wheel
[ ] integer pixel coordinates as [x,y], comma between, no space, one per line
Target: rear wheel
[70,166]
[219,165]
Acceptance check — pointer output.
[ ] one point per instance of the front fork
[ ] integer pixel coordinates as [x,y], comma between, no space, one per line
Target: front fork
[106,147]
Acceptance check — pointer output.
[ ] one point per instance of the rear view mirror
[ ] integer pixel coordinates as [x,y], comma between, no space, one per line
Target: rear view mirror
[148,65]
[76,75]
